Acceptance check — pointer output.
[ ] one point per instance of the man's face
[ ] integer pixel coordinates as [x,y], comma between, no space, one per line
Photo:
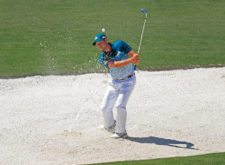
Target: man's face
[102,45]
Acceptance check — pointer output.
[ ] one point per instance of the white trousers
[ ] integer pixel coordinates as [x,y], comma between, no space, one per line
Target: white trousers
[117,95]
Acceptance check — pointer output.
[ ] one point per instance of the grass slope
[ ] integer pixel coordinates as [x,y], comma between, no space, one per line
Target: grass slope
[208,159]
[55,36]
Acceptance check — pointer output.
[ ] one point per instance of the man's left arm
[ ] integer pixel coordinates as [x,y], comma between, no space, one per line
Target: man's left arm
[134,58]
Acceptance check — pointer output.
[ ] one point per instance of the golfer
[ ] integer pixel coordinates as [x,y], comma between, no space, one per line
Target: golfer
[120,60]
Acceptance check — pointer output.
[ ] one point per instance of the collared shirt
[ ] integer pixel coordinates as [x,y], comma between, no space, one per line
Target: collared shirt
[120,50]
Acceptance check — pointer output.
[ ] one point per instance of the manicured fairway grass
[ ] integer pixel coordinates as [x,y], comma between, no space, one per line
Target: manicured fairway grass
[54,37]
[209,159]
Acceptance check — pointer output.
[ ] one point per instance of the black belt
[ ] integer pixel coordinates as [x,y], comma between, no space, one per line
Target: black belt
[129,76]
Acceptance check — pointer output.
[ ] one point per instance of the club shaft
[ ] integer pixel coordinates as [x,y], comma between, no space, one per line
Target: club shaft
[142,33]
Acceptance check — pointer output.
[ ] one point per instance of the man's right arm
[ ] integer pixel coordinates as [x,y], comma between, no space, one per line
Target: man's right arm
[118,64]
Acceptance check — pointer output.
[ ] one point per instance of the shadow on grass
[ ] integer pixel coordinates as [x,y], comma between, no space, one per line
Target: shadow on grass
[163,141]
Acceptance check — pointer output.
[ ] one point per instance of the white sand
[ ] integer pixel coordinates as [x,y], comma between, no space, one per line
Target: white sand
[54,119]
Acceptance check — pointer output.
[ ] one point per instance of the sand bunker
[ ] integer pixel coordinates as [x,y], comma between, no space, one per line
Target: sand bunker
[54,119]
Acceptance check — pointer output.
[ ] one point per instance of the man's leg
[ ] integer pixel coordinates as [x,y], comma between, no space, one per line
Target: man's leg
[107,106]
[124,94]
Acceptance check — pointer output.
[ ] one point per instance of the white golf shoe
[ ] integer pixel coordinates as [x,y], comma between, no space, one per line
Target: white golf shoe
[119,135]
[109,129]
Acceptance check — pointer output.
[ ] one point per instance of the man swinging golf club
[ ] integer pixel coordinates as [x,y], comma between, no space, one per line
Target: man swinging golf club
[120,60]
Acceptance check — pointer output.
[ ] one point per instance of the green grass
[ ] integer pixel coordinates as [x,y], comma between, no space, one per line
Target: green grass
[54,36]
[208,159]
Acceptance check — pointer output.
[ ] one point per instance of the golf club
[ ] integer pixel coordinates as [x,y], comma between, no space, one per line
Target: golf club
[145,12]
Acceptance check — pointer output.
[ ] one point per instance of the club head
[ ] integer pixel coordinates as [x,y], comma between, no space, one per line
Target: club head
[144,11]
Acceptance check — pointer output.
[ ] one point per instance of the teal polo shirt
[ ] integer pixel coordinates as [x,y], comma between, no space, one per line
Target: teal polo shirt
[120,50]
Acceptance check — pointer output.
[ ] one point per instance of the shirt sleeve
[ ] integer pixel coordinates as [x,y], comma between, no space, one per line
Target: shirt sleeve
[124,47]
